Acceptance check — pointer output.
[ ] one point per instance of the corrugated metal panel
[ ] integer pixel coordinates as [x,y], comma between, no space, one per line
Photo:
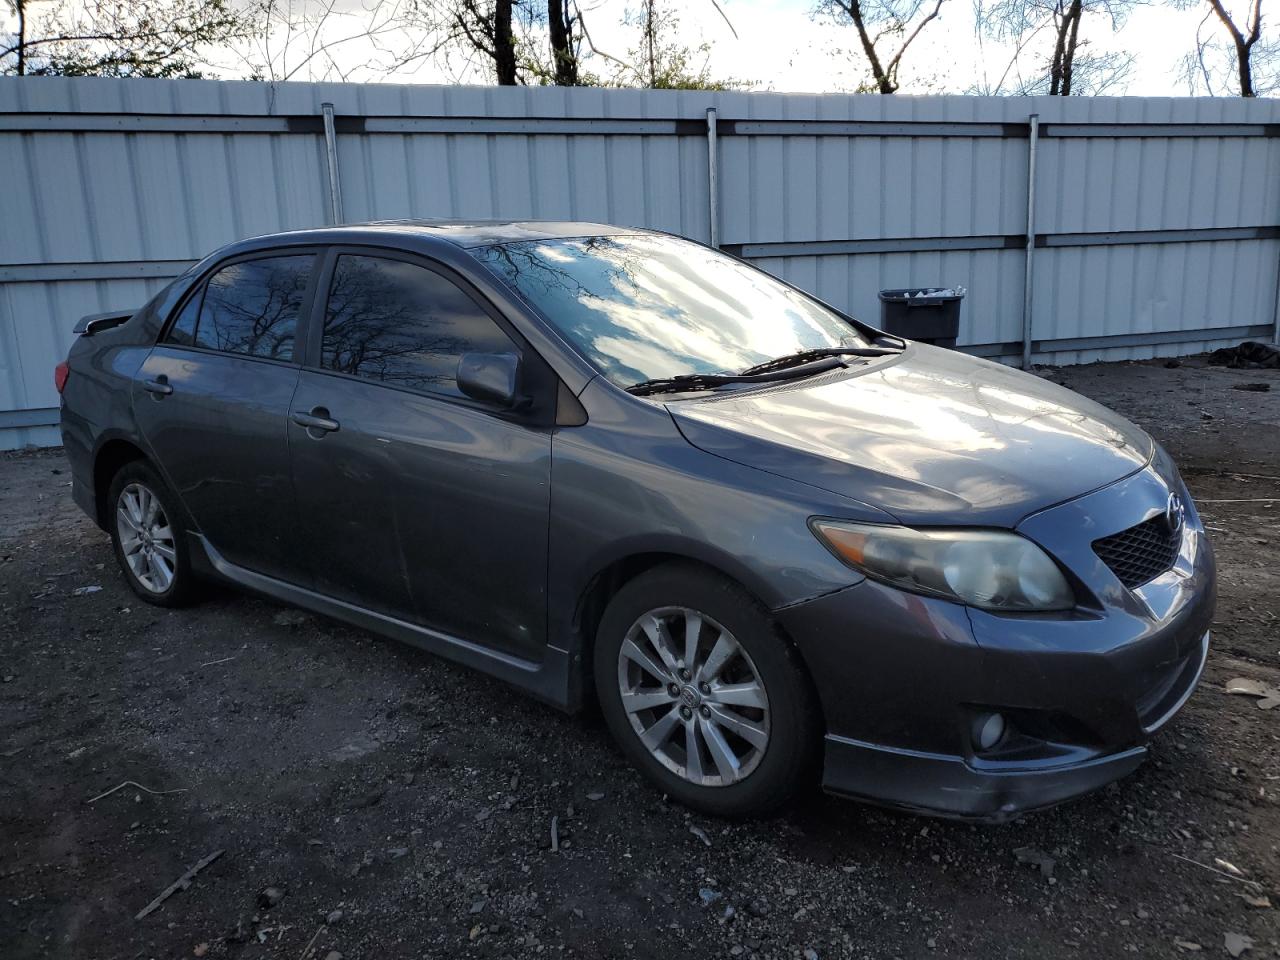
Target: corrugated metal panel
[657,182]
[991,311]
[99,215]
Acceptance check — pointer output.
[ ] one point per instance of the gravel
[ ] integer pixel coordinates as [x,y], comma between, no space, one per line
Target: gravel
[405,804]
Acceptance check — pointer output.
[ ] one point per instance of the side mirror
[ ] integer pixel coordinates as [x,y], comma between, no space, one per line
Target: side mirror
[490,378]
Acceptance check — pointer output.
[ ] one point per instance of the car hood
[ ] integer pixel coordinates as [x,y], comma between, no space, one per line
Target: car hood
[932,436]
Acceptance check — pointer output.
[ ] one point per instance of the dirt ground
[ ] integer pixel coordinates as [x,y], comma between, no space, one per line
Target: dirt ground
[402,806]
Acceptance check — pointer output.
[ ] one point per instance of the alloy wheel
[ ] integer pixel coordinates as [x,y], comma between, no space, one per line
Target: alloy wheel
[146,538]
[693,696]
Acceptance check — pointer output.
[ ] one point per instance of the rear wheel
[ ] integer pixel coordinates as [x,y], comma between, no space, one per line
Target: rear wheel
[703,693]
[148,537]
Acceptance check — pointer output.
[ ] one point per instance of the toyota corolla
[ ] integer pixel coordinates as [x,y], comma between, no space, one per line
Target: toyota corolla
[612,466]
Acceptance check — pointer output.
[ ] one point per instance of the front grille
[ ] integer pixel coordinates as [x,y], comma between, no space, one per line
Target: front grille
[1141,553]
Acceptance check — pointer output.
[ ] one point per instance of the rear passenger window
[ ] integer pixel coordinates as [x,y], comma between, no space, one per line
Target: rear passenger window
[249,308]
[402,324]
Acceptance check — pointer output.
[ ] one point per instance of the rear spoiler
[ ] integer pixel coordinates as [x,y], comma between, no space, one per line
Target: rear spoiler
[97,322]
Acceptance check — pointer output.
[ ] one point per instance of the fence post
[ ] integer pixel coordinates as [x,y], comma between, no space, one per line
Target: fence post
[713,179]
[331,154]
[1028,277]
[1275,330]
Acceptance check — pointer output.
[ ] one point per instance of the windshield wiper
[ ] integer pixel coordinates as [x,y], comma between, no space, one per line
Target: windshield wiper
[685,382]
[803,357]
[690,382]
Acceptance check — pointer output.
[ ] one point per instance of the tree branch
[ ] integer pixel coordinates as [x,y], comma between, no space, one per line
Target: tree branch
[854,9]
[893,64]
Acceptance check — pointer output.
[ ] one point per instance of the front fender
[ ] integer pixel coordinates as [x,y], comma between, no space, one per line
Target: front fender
[626,484]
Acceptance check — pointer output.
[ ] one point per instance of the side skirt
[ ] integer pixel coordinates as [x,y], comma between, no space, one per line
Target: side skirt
[548,680]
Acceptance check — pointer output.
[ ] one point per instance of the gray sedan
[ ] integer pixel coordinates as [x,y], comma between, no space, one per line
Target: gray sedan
[612,466]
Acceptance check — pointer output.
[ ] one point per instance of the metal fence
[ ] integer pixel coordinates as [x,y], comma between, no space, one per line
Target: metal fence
[1081,228]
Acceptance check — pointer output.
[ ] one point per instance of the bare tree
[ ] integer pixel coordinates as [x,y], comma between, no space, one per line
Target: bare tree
[553,44]
[1226,61]
[119,38]
[486,34]
[649,40]
[333,40]
[487,24]
[512,41]
[886,28]
[1251,59]
[508,41]
[562,20]
[19,9]
[1064,47]
[1046,35]
[550,43]
[661,60]
[1243,41]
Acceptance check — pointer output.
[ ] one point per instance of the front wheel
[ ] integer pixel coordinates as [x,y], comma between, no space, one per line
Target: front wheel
[148,537]
[703,693]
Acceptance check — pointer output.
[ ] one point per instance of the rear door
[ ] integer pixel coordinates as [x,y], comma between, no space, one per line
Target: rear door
[213,399]
[415,500]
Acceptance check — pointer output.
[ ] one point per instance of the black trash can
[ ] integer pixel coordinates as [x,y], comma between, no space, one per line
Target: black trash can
[927,314]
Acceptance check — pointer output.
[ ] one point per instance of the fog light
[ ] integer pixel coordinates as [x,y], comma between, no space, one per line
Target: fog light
[988,730]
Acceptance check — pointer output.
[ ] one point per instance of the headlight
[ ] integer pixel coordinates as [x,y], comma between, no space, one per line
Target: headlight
[992,569]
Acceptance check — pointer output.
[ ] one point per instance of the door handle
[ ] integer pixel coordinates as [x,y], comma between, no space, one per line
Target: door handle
[159,386]
[317,419]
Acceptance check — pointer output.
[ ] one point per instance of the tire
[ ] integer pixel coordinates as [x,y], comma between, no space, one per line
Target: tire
[160,569]
[769,769]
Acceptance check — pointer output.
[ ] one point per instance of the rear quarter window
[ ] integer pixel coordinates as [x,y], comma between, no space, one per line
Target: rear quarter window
[183,329]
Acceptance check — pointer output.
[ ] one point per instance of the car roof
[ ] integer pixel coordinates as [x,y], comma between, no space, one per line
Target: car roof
[460,233]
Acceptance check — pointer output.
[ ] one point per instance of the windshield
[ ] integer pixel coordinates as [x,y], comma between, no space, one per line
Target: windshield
[644,307]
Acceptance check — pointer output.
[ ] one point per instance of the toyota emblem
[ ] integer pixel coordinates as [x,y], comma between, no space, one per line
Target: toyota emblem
[1174,513]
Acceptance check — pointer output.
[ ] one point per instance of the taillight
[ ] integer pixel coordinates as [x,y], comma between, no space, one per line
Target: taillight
[60,374]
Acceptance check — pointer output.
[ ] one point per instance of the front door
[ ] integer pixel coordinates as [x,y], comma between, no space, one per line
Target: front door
[415,500]
[213,398]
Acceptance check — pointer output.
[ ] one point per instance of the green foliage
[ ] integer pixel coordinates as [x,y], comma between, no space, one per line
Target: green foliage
[688,68]
[120,38]
[662,61]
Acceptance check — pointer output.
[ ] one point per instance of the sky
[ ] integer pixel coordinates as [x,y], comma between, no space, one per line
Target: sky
[781,47]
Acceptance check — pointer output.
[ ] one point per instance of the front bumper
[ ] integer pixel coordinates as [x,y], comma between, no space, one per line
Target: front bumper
[950,785]
[902,678]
